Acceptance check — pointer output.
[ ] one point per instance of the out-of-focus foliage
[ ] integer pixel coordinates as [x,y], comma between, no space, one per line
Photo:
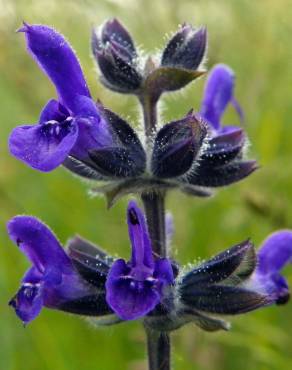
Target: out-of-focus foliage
[254,38]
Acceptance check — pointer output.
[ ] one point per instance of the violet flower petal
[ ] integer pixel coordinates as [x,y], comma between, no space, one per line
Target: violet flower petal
[141,245]
[38,243]
[93,129]
[57,59]
[44,146]
[274,254]
[53,111]
[52,282]
[129,298]
[169,228]
[28,302]
[164,271]
[218,94]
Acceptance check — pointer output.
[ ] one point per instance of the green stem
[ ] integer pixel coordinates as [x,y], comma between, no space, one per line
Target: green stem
[158,343]
[159,346]
[149,107]
[155,216]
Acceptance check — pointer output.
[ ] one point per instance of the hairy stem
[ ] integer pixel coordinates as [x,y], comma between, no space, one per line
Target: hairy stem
[149,107]
[155,215]
[158,343]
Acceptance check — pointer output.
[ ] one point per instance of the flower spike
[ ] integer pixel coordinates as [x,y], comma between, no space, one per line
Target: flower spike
[57,59]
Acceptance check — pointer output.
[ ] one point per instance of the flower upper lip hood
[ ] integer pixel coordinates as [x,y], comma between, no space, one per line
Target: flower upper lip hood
[219,92]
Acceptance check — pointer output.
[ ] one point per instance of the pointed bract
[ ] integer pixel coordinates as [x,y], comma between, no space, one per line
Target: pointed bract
[176,147]
[186,49]
[217,176]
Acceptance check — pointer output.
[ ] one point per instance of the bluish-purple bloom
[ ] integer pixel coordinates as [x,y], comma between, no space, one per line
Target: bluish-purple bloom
[52,281]
[223,161]
[72,125]
[273,255]
[134,288]
[218,94]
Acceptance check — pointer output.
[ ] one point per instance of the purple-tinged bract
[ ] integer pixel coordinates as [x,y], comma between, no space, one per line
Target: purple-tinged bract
[177,146]
[218,285]
[186,49]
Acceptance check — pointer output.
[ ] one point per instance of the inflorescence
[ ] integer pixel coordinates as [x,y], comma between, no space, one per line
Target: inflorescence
[195,154]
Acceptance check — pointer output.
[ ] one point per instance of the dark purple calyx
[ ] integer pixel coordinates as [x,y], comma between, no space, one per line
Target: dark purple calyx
[115,53]
[186,49]
[218,94]
[177,146]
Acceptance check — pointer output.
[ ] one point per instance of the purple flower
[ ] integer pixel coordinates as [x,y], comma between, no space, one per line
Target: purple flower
[273,255]
[223,161]
[219,92]
[52,281]
[72,125]
[134,288]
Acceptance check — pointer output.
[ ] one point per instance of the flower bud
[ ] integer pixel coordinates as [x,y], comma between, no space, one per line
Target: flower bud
[115,53]
[186,49]
[177,146]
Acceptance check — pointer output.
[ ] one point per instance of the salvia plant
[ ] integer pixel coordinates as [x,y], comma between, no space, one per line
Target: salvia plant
[195,154]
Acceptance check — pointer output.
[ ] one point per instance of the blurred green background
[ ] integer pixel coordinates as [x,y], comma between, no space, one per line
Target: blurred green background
[254,38]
